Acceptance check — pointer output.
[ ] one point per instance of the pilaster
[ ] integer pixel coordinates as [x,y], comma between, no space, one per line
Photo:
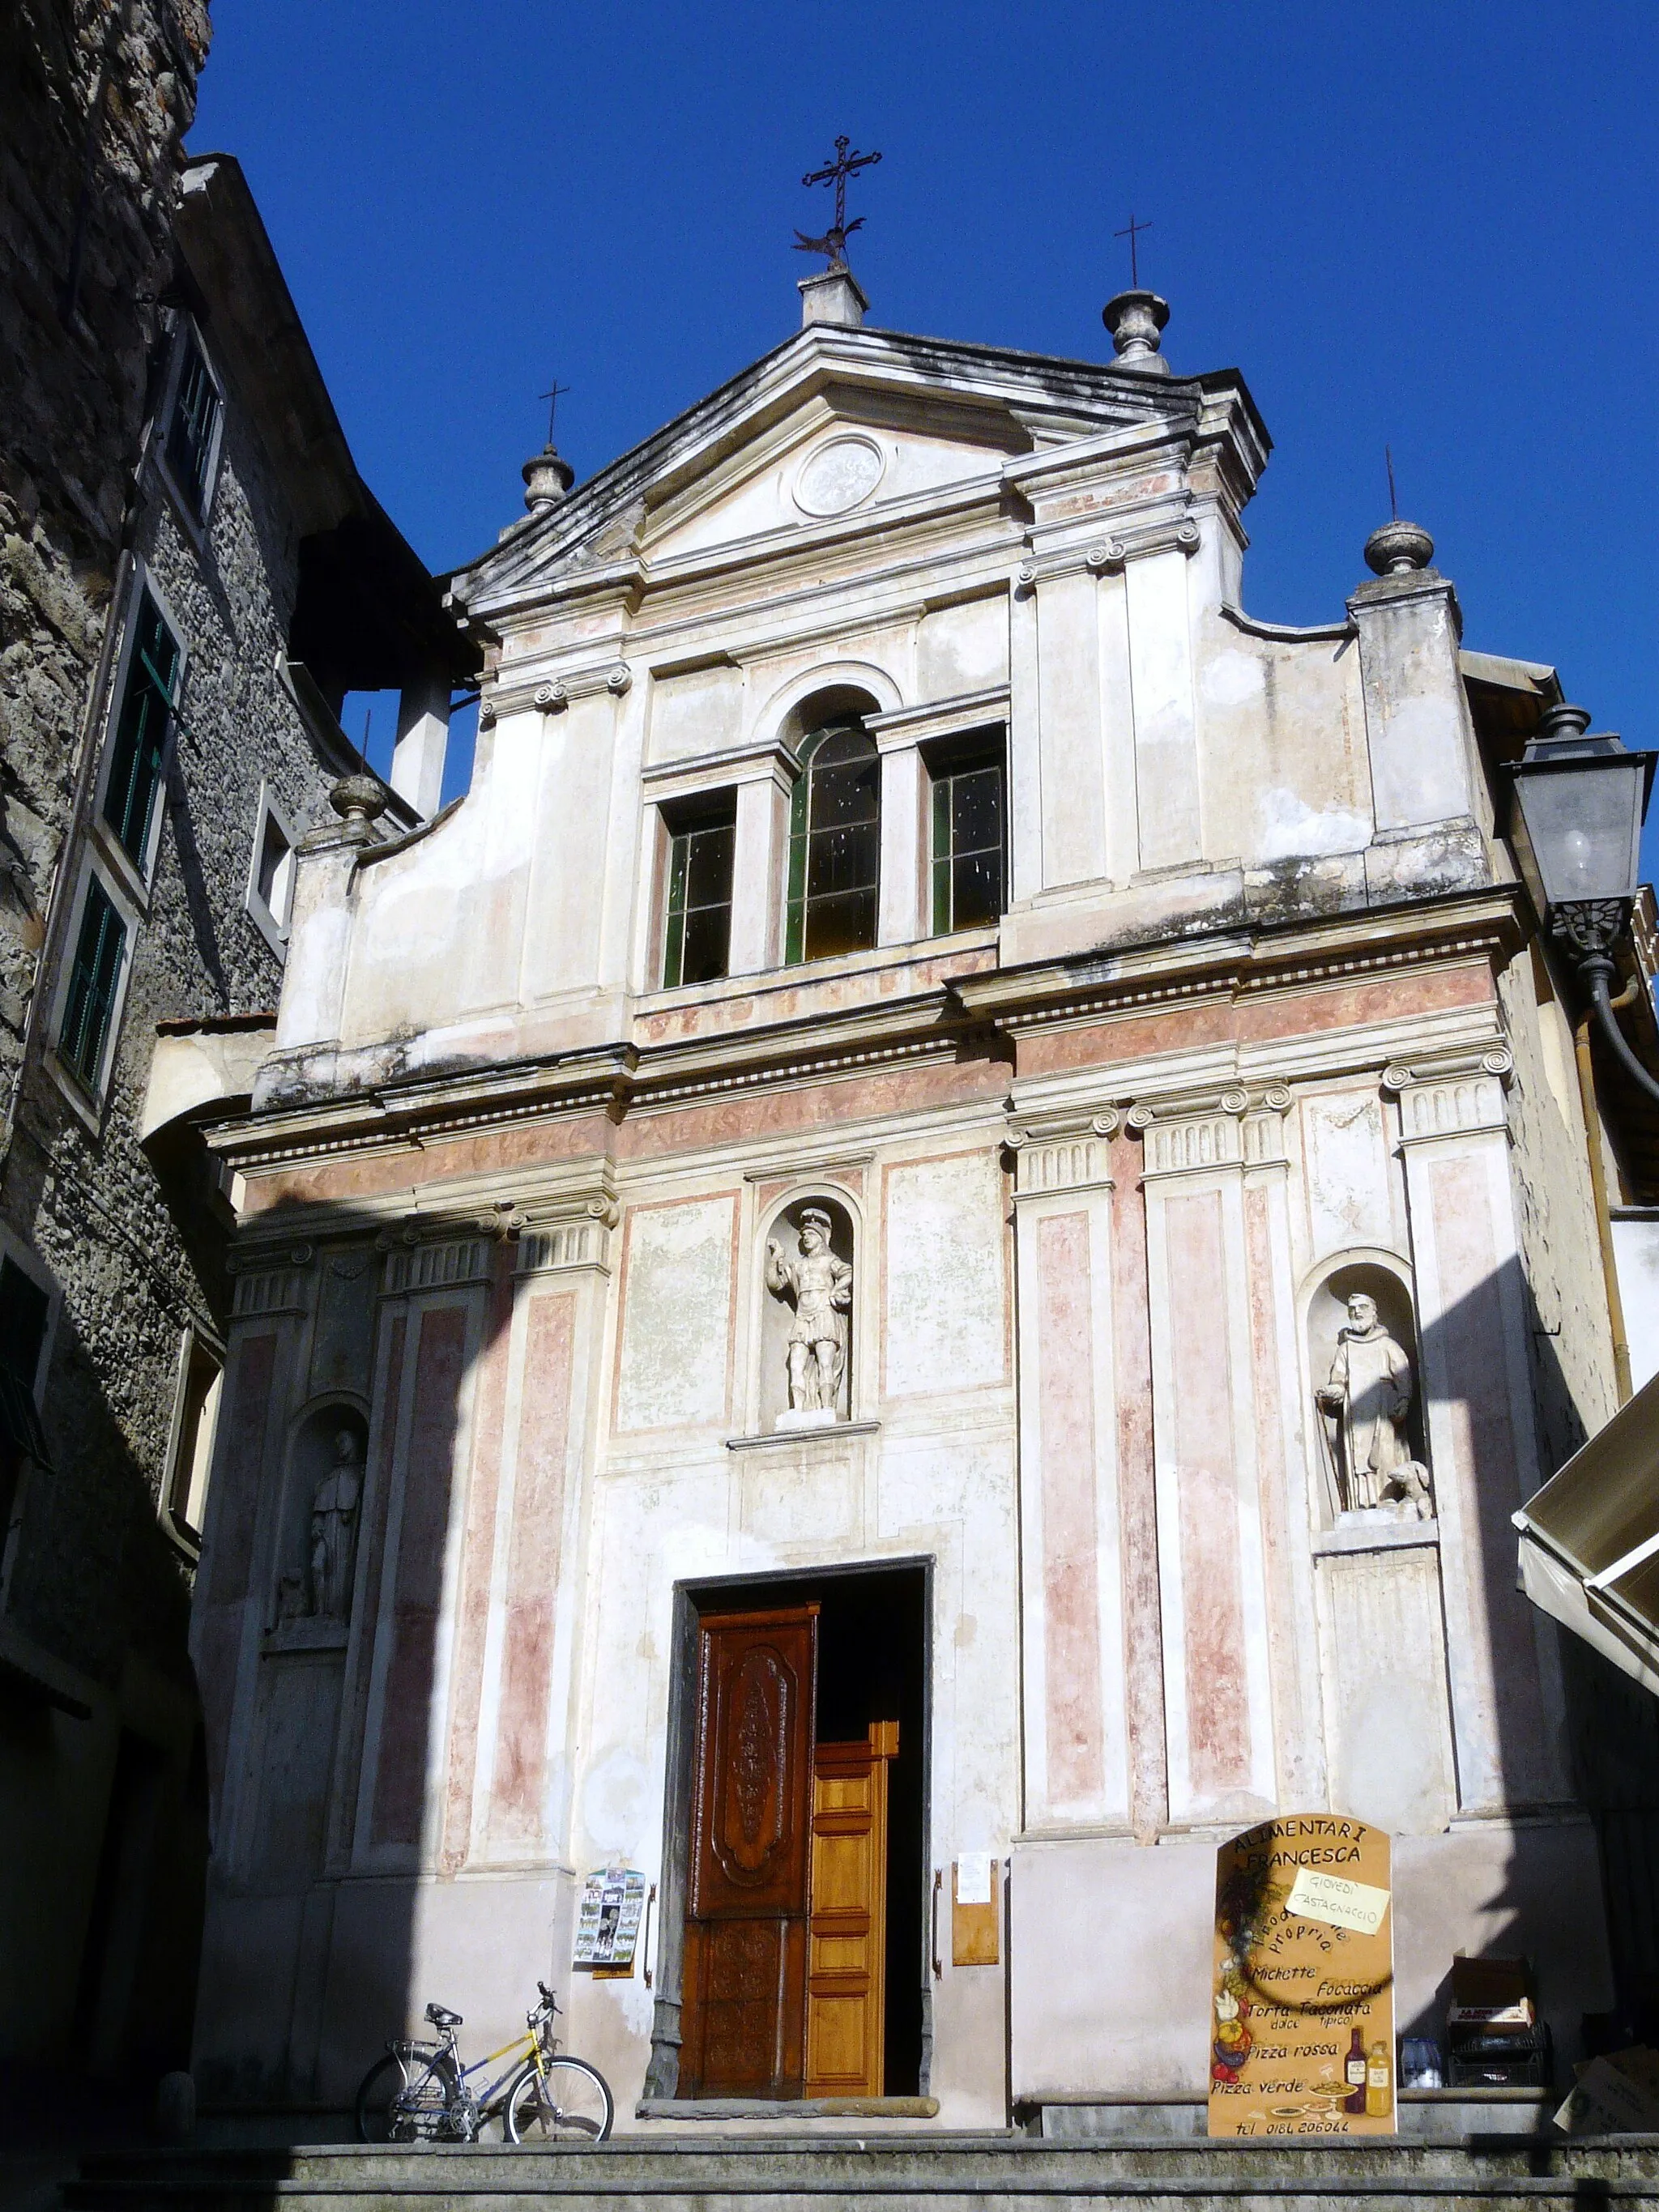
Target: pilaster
[1213,1545]
[1473,1323]
[1076,1738]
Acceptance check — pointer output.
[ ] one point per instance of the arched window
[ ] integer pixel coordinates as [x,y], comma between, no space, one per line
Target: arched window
[834,844]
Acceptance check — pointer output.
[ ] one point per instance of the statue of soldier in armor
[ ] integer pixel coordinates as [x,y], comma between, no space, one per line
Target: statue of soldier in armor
[821,1286]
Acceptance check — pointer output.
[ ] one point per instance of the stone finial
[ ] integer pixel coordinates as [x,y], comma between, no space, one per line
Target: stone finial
[1398,549]
[547,478]
[833,296]
[358,800]
[1135,320]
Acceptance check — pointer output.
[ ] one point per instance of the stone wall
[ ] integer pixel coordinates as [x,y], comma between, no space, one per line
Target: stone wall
[103,1798]
[90,1203]
[92,102]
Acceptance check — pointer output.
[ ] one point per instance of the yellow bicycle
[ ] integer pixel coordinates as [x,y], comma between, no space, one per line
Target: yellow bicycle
[421,2091]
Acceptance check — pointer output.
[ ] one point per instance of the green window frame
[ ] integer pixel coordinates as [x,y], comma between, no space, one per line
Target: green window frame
[95,977]
[697,931]
[138,748]
[192,426]
[969,851]
[833,892]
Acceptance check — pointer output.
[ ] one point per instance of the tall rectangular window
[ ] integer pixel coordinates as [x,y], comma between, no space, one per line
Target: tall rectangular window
[89,1006]
[193,427]
[835,845]
[139,745]
[195,1409]
[697,939]
[969,840]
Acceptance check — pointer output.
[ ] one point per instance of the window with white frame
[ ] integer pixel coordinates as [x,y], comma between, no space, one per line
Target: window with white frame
[190,1450]
[135,765]
[834,844]
[195,420]
[270,895]
[697,904]
[967,841]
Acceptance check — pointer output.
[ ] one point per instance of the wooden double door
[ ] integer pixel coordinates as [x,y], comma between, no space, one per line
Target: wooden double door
[783,1981]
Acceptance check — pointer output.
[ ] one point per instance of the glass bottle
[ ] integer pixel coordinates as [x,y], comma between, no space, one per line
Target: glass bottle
[1353,2073]
[1379,2085]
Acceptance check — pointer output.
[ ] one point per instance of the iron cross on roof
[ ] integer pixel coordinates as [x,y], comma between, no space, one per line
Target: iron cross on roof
[835,173]
[1131,234]
[553,397]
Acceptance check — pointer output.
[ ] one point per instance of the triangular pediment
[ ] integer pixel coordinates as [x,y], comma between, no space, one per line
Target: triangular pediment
[834,426]
[846,450]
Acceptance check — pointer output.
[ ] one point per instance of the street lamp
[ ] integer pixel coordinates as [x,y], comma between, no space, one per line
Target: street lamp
[1576,831]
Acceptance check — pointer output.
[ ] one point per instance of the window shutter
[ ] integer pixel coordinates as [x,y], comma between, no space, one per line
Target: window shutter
[795,910]
[140,732]
[674,946]
[93,979]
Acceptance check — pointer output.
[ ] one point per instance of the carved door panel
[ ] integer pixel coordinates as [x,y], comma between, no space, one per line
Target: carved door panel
[744,1975]
[846,1994]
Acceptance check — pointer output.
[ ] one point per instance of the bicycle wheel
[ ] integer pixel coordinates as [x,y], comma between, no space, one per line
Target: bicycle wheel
[403,2099]
[571,2102]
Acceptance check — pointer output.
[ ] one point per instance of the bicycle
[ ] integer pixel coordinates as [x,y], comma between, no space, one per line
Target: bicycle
[420,2092]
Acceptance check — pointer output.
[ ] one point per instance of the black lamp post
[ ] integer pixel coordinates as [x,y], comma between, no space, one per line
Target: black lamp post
[1577,830]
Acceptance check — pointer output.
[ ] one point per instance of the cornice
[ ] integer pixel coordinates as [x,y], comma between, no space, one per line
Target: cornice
[937,1022]
[751,763]
[1336,949]
[902,726]
[628,1079]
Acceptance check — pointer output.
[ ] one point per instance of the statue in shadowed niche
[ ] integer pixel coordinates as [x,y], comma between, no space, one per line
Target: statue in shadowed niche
[1368,1397]
[819,1284]
[334,1530]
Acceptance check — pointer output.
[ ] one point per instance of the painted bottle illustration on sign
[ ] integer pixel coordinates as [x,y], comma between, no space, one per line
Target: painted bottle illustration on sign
[1353,2072]
[1379,2083]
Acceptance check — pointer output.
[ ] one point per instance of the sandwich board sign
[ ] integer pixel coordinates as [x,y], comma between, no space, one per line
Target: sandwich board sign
[1301,1998]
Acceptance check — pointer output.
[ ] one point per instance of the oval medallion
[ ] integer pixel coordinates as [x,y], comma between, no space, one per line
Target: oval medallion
[839,476]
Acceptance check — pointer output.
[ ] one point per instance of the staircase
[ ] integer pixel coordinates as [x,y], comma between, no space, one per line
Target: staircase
[992,2173]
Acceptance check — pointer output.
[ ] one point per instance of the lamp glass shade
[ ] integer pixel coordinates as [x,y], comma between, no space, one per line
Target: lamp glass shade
[1581,820]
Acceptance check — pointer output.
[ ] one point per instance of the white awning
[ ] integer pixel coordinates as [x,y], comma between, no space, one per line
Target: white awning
[1589,1541]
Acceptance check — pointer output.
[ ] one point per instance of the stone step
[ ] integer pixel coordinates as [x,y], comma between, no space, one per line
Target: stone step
[952,2174]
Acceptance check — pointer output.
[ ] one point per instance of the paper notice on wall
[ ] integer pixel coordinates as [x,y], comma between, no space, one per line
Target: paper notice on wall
[974,1877]
[607,1924]
[1339,1903]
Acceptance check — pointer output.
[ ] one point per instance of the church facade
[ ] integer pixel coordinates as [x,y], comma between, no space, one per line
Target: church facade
[908,1272]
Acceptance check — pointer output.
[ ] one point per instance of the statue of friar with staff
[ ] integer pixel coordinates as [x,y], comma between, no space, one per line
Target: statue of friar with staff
[1369,1396]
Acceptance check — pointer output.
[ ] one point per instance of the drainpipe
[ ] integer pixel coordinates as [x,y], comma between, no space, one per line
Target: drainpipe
[1599,1187]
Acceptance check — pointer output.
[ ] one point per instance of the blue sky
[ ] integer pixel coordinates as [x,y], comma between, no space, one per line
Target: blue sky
[1426,227]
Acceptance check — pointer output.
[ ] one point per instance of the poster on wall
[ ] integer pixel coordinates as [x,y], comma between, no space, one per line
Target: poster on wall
[607,1924]
[1301,2004]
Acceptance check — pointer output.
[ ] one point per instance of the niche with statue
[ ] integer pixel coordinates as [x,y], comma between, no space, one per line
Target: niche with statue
[323,1510]
[806,1321]
[1367,1409]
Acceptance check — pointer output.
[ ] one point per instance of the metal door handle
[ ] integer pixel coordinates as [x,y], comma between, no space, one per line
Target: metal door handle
[938,1884]
[645,1945]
